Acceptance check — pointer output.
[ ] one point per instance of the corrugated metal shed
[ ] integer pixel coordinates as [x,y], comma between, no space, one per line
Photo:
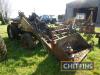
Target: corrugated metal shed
[82,4]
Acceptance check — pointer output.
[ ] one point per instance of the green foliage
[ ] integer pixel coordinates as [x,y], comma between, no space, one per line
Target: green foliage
[38,62]
[1,19]
[60,16]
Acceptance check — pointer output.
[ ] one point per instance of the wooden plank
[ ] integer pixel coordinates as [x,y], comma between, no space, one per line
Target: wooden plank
[78,57]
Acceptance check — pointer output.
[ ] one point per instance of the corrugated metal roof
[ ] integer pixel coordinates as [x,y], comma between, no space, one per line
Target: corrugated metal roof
[84,3]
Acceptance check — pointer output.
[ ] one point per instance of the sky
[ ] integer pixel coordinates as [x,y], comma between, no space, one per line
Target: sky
[41,7]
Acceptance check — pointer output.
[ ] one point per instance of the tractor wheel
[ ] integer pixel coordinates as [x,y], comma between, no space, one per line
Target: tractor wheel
[28,41]
[12,32]
[3,50]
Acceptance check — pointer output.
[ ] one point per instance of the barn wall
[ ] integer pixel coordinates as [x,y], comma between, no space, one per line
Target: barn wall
[70,8]
[98,16]
[68,13]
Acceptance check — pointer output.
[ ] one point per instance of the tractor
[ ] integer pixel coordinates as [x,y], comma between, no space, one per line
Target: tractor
[65,44]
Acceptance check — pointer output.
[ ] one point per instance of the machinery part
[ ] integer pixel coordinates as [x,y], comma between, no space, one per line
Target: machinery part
[28,41]
[12,32]
[87,29]
[98,36]
[54,40]
[59,37]
[99,41]
[72,39]
[3,50]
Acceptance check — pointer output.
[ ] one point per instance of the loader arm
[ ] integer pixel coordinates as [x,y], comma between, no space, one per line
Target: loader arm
[58,40]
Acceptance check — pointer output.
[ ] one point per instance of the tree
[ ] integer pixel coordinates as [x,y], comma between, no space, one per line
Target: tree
[61,18]
[4,10]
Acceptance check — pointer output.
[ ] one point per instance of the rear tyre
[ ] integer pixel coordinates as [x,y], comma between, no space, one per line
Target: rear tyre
[12,32]
[3,50]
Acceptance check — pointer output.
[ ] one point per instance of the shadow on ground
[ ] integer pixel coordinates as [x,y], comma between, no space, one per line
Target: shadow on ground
[51,66]
[97,45]
[14,48]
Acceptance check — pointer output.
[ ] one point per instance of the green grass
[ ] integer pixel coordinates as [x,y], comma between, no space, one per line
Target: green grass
[97,29]
[37,61]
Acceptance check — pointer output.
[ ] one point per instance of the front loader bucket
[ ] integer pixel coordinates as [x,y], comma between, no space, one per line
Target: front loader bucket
[76,42]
